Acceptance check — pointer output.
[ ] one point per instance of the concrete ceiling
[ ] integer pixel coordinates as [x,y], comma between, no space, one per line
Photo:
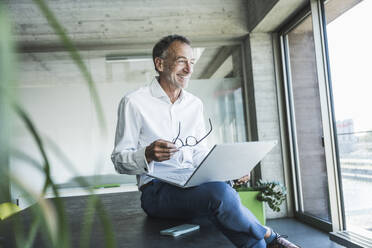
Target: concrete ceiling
[138,24]
[333,9]
[279,13]
[131,27]
[116,24]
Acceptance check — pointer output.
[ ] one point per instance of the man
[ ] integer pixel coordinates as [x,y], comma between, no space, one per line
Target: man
[149,120]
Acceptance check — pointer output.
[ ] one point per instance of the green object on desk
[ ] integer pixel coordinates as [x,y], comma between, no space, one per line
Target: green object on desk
[7,209]
[110,185]
[249,200]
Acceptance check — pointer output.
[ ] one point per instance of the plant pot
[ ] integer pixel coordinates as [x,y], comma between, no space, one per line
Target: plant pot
[249,200]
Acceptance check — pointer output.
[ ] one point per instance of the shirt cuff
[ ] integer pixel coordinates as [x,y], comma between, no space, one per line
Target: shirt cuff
[140,158]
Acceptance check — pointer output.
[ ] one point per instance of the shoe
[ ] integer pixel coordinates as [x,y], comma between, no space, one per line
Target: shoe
[281,242]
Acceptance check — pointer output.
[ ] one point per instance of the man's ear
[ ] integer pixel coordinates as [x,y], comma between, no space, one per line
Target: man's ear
[159,64]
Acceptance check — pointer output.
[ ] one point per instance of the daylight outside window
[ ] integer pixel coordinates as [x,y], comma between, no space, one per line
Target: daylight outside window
[350,53]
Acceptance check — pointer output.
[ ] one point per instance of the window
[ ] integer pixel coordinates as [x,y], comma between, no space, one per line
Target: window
[350,53]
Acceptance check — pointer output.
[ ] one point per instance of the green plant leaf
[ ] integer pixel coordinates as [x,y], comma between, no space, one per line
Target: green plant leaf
[107,228]
[62,222]
[273,193]
[33,231]
[30,126]
[7,75]
[60,237]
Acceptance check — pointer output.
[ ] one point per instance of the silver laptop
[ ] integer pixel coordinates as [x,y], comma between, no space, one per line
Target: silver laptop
[224,162]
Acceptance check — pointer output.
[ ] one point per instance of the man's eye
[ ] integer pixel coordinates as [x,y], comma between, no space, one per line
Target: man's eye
[184,61]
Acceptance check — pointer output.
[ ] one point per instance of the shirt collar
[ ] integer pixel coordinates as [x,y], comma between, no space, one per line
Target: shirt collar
[158,92]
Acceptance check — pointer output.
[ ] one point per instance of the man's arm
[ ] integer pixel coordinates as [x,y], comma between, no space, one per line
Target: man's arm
[126,157]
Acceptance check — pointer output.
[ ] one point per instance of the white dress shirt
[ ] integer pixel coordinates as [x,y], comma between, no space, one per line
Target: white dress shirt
[146,115]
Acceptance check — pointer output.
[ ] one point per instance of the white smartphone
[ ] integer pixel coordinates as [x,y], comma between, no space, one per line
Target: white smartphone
[179,230]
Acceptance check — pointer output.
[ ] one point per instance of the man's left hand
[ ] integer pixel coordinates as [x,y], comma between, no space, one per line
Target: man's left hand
[243,180]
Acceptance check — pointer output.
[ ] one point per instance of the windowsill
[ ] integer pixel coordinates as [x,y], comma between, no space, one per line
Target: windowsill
[352,239]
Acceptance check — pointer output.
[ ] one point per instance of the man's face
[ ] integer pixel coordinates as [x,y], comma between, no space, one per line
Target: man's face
[178,64]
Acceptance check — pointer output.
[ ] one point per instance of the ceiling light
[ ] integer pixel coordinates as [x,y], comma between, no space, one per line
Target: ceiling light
[126,58]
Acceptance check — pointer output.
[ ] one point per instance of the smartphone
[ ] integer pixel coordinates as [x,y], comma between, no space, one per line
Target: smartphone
[179,230]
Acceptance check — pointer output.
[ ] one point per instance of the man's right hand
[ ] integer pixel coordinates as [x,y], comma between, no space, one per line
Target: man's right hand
[160,150]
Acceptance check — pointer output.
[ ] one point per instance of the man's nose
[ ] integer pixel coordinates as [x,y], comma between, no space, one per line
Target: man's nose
[189,67]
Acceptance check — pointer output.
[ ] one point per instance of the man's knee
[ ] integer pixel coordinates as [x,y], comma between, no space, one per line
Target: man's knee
[221,193]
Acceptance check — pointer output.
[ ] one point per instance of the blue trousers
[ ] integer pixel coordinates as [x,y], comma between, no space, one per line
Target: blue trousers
[216,200]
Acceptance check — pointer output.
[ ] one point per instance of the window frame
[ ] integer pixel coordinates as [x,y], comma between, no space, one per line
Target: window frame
[316,9]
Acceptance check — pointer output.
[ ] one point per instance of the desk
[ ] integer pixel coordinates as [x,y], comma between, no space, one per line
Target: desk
[131,225]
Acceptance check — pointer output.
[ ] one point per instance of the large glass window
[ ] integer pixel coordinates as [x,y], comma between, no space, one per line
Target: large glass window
[350,52]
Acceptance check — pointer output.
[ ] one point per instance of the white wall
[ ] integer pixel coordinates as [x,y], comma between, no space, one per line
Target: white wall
[53,92]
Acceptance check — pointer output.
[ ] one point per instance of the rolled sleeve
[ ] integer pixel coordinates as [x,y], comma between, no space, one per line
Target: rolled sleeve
[126,157]
[141,161]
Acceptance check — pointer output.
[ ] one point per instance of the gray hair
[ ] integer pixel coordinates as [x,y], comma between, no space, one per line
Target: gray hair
[161,47]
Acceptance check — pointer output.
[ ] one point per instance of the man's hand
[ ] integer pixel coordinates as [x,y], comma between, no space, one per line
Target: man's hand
[160,150]
[242,180]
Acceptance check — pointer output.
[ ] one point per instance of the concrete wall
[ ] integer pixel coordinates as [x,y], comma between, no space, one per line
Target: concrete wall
[308,119]
[262,80]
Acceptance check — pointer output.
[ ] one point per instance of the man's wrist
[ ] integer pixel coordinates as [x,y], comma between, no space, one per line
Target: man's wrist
[147,156]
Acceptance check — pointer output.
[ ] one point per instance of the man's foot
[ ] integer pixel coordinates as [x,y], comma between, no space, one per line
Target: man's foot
[281,242]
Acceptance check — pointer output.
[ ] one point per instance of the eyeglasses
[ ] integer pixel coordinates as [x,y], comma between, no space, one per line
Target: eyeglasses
[190,140]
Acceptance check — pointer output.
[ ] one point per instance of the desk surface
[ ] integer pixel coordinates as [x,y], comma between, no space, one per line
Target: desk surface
[131,225]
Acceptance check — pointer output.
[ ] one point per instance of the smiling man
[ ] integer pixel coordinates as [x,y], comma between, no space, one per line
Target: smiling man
[176,64]
[149,119]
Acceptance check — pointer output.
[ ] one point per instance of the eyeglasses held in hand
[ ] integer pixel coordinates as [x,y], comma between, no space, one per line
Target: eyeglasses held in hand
[190,140]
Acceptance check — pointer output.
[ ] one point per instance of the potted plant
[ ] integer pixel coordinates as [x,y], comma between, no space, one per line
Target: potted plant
[253,197]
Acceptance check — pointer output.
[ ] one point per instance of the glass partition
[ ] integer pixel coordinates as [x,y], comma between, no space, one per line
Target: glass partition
[223,103]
